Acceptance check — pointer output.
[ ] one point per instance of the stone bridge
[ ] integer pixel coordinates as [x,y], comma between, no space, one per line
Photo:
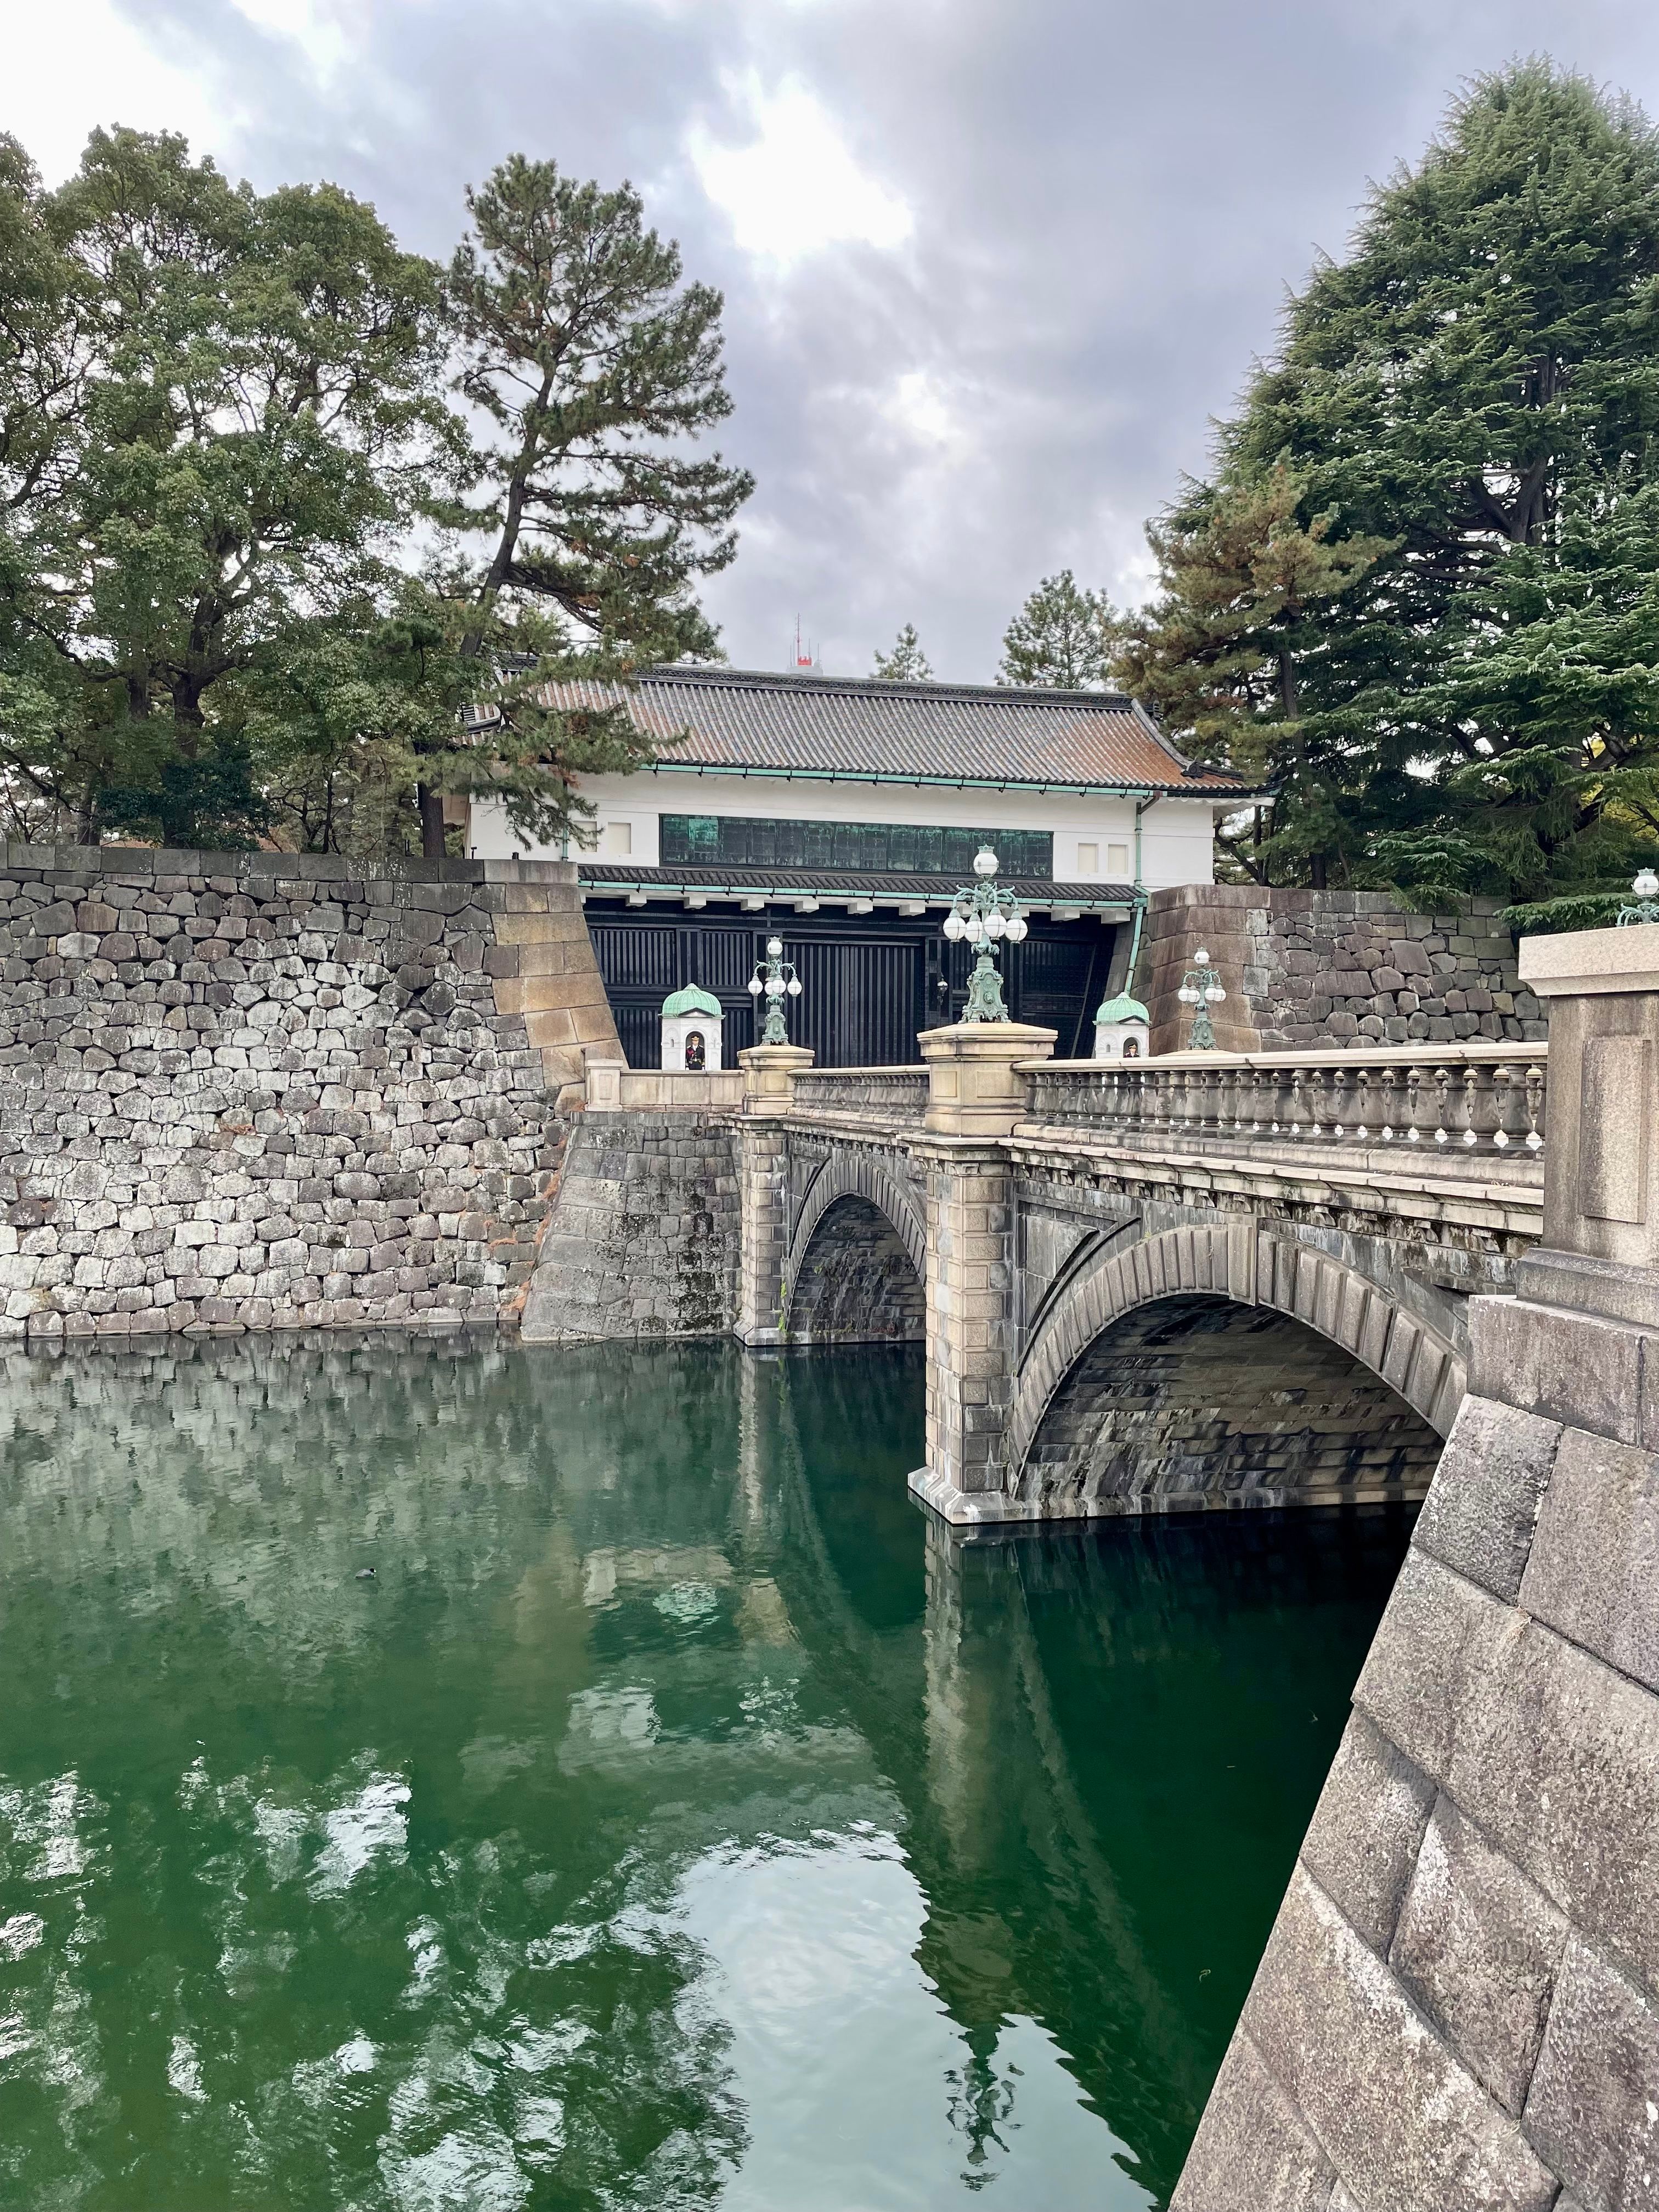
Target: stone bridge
[1208,1279]
[1286,1279]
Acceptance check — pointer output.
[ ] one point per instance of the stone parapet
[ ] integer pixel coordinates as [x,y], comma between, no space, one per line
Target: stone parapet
[613,1087]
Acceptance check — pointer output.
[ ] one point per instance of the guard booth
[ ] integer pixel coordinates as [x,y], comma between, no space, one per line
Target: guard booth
[691,1022]
[1122,1029]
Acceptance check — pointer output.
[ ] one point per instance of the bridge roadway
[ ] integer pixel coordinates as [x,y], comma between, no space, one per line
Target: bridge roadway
[1210,1280]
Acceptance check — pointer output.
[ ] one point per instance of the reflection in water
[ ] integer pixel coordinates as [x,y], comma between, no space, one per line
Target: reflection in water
[676,1818]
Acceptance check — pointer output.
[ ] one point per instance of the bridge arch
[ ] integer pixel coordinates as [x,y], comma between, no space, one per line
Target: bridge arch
[1230,1273]
[857,1265]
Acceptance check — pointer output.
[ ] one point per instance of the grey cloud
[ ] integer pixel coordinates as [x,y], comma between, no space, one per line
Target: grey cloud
[1108,200]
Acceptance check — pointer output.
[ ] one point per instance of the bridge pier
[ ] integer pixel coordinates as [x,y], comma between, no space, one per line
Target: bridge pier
[976,1098]
[768,1072]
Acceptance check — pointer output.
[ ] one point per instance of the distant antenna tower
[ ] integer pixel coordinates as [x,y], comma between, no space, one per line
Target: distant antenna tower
[805,655]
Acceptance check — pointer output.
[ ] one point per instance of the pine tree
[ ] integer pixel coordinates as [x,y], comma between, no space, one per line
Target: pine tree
[1063,635]
[1469,402]
[907,663]
[595,370]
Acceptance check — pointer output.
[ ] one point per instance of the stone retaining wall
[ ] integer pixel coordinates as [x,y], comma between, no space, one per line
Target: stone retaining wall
[260,1090]
[1310,969]
[645,1230]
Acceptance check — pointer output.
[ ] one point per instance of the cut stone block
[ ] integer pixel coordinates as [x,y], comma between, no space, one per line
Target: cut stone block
[1593,2111]
[1477,1948]
[1483,1504]
[1251,2150]
[1594,1573]
[1367,1828]
[1403,2121]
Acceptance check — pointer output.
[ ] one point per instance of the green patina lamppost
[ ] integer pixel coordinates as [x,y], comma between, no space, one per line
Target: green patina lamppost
[983,912]
[1200,988]
[777,977]
[1645,885]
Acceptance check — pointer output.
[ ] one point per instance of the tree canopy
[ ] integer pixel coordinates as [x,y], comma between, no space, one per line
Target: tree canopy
[1064,635]
[295,527]
[906,663]
[1421,590]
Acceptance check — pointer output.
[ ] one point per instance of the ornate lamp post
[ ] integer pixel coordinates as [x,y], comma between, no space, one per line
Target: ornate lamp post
[1645,885]
[983,912]
[775,976]
[1200,987]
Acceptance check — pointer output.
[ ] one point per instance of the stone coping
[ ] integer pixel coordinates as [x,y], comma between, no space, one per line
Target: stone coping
[1427,1053]
[120,860]
[1582,963]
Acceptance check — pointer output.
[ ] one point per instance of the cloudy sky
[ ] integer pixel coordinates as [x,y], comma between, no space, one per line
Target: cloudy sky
[990,265]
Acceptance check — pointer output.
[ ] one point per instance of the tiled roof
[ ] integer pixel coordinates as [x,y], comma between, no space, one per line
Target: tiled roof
[619,876]
[748,721]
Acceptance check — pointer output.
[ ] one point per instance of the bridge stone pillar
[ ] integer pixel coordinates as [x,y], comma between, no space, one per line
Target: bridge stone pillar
[976,1094]
[1458,2004]
[769,1072]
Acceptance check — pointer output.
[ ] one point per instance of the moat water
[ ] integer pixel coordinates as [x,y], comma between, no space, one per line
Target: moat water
[675,1817]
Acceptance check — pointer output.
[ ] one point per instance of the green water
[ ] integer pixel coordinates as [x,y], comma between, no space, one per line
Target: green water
[677,1818]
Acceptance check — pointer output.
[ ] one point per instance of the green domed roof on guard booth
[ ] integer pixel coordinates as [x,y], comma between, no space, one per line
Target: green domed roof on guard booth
[1122,1008]
[693,999]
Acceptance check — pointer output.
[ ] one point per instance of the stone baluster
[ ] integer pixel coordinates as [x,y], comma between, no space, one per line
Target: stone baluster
[1479,1108]
[1236,1100]
[1389,1103]
[1296,1124]
[1203,1107]
[1535,1105]
[1318,1102]
[1279,1097]
[1508,1108]
[1415,1106]
[1364,1104]
[1442,1090]
[1126,1099]
[1257,1100]
[1341,1108]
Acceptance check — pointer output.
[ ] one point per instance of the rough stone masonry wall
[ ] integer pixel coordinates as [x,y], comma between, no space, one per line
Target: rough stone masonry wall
[259,1089]
[1458,2004]
[645,1232]
[1310,969]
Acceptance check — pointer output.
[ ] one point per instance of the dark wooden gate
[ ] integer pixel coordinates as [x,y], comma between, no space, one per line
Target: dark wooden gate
[869,982]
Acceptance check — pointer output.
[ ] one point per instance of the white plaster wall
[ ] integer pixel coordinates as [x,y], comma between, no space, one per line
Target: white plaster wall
[1176,833]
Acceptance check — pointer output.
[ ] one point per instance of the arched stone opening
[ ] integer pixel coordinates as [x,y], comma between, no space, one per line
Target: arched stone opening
[1195,1402]
[856,1284]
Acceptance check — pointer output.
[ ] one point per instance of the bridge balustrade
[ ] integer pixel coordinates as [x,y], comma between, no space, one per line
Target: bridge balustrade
[884,1094]
[1463,1099]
